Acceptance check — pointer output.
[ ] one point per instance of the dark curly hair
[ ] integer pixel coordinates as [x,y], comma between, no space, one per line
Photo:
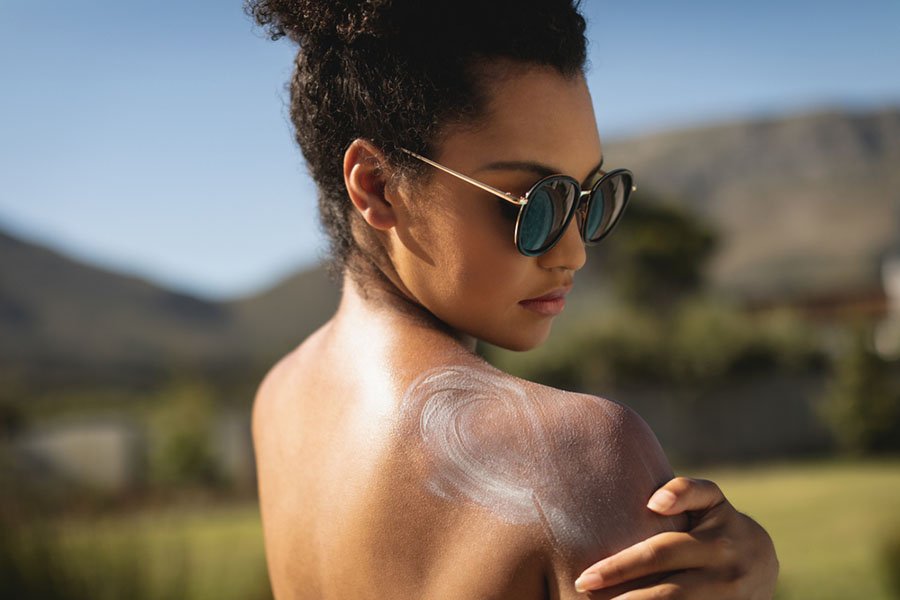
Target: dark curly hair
[401,73]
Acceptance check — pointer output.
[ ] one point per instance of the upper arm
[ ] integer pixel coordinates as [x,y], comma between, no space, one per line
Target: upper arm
[610,467]
[573,470]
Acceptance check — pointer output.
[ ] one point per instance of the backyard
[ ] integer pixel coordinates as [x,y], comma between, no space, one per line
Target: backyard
[831,522]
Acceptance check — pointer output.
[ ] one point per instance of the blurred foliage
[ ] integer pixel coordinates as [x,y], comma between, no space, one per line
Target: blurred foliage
[698,343]
[135,556]
[828,520]
[659,253]
[890,555]
[662,328]
[181,427]
[30,567]
[35,564]
[182,437]
[862,403]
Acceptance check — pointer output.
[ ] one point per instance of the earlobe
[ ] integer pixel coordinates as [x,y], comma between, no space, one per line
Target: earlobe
[365,181]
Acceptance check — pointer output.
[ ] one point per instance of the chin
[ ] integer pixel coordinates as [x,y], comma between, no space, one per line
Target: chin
[521,341]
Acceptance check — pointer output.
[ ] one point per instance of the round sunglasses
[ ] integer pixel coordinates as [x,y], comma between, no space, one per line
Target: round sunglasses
[547,208]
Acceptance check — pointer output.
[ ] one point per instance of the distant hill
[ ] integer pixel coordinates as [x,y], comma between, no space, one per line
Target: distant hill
[59,313]
[277,319]
[804,203]
[57,310]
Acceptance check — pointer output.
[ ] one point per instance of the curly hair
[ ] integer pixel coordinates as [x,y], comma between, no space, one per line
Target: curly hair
[401,73]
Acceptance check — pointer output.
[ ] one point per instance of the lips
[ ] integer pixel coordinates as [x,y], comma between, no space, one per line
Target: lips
[550,304]
[553,295]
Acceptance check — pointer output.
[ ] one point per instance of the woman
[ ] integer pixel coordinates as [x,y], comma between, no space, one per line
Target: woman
[393,461]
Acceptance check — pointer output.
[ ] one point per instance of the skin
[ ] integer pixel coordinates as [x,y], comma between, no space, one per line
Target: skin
[346,474]
[510,449]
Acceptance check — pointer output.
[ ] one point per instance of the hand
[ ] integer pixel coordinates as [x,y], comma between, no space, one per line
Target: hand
[723,555]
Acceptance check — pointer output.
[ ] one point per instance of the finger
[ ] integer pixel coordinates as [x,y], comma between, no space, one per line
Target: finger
[621,588]
[695,585]
[664,552]
[683,494]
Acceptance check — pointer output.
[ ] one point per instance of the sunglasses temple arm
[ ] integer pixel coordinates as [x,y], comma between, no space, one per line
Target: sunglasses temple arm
[485,187]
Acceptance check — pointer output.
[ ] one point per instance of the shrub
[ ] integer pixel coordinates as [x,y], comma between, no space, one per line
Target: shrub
[862,402]
[699,343]
[181,436]
[890,559]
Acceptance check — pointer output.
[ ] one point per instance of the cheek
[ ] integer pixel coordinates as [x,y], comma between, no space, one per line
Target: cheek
[480,266]
[487,256]
[472,265]
[469,274]
[485,287]
[468,240]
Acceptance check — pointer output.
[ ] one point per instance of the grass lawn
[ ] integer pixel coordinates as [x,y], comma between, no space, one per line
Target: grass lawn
[197,552]
[829,521]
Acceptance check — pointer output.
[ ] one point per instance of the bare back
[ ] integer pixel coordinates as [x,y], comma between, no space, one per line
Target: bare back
[411,469]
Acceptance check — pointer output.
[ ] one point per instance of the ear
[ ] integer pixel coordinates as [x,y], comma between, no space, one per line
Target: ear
[365,177]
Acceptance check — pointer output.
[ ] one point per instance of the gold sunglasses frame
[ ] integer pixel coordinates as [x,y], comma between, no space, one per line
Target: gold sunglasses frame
[522,200]
[517,200]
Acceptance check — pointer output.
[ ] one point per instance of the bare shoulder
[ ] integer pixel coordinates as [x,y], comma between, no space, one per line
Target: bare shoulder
[608,462]
[279,387]
[604,436]
[600,433]
[268,392]
[577,468]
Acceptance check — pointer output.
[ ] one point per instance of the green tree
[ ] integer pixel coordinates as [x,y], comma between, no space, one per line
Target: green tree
[862,403]
[181,435]
[658,253]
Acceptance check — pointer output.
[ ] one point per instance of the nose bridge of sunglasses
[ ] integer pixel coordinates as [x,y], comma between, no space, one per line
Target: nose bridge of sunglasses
[581,204]
[581,214]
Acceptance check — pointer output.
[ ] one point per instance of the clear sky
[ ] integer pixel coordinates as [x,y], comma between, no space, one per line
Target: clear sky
[152,136]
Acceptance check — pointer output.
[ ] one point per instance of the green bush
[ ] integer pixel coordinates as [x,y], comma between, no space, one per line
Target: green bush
[659,252]
[890,558]
[181,428]
[37,563]
[699,342]
[30,567]
[862,401]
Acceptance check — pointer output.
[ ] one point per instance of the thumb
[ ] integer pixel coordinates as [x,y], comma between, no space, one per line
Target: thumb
[685,494]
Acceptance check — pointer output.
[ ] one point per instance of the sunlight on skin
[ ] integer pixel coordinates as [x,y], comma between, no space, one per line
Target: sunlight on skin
[511,451]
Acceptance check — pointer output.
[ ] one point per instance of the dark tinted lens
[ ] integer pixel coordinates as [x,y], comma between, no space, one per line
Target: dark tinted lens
[607,202]
[544,217]
[598,206]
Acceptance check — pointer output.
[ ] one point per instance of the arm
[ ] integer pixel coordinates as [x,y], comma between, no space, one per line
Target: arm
[611,463]
[561,476]
[725,554]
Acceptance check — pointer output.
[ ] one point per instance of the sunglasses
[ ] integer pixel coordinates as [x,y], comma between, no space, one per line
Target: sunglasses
[547,208]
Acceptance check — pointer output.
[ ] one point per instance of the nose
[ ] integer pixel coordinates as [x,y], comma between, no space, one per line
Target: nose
[569,251]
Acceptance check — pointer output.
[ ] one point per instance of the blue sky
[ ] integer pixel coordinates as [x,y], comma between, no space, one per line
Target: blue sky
[153,137]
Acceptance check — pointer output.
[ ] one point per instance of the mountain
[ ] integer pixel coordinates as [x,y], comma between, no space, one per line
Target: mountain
[804,204]
[57,310]
[277,319]
[57,313]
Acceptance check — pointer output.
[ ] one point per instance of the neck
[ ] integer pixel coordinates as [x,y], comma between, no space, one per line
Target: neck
[384,306]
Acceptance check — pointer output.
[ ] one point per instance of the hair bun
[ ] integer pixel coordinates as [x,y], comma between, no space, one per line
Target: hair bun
[320,21]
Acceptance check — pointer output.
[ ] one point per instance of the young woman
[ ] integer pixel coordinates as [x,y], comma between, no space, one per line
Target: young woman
[450,142]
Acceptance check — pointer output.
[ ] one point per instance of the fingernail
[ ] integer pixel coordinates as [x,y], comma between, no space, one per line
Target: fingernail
[661,500]
[588,581]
